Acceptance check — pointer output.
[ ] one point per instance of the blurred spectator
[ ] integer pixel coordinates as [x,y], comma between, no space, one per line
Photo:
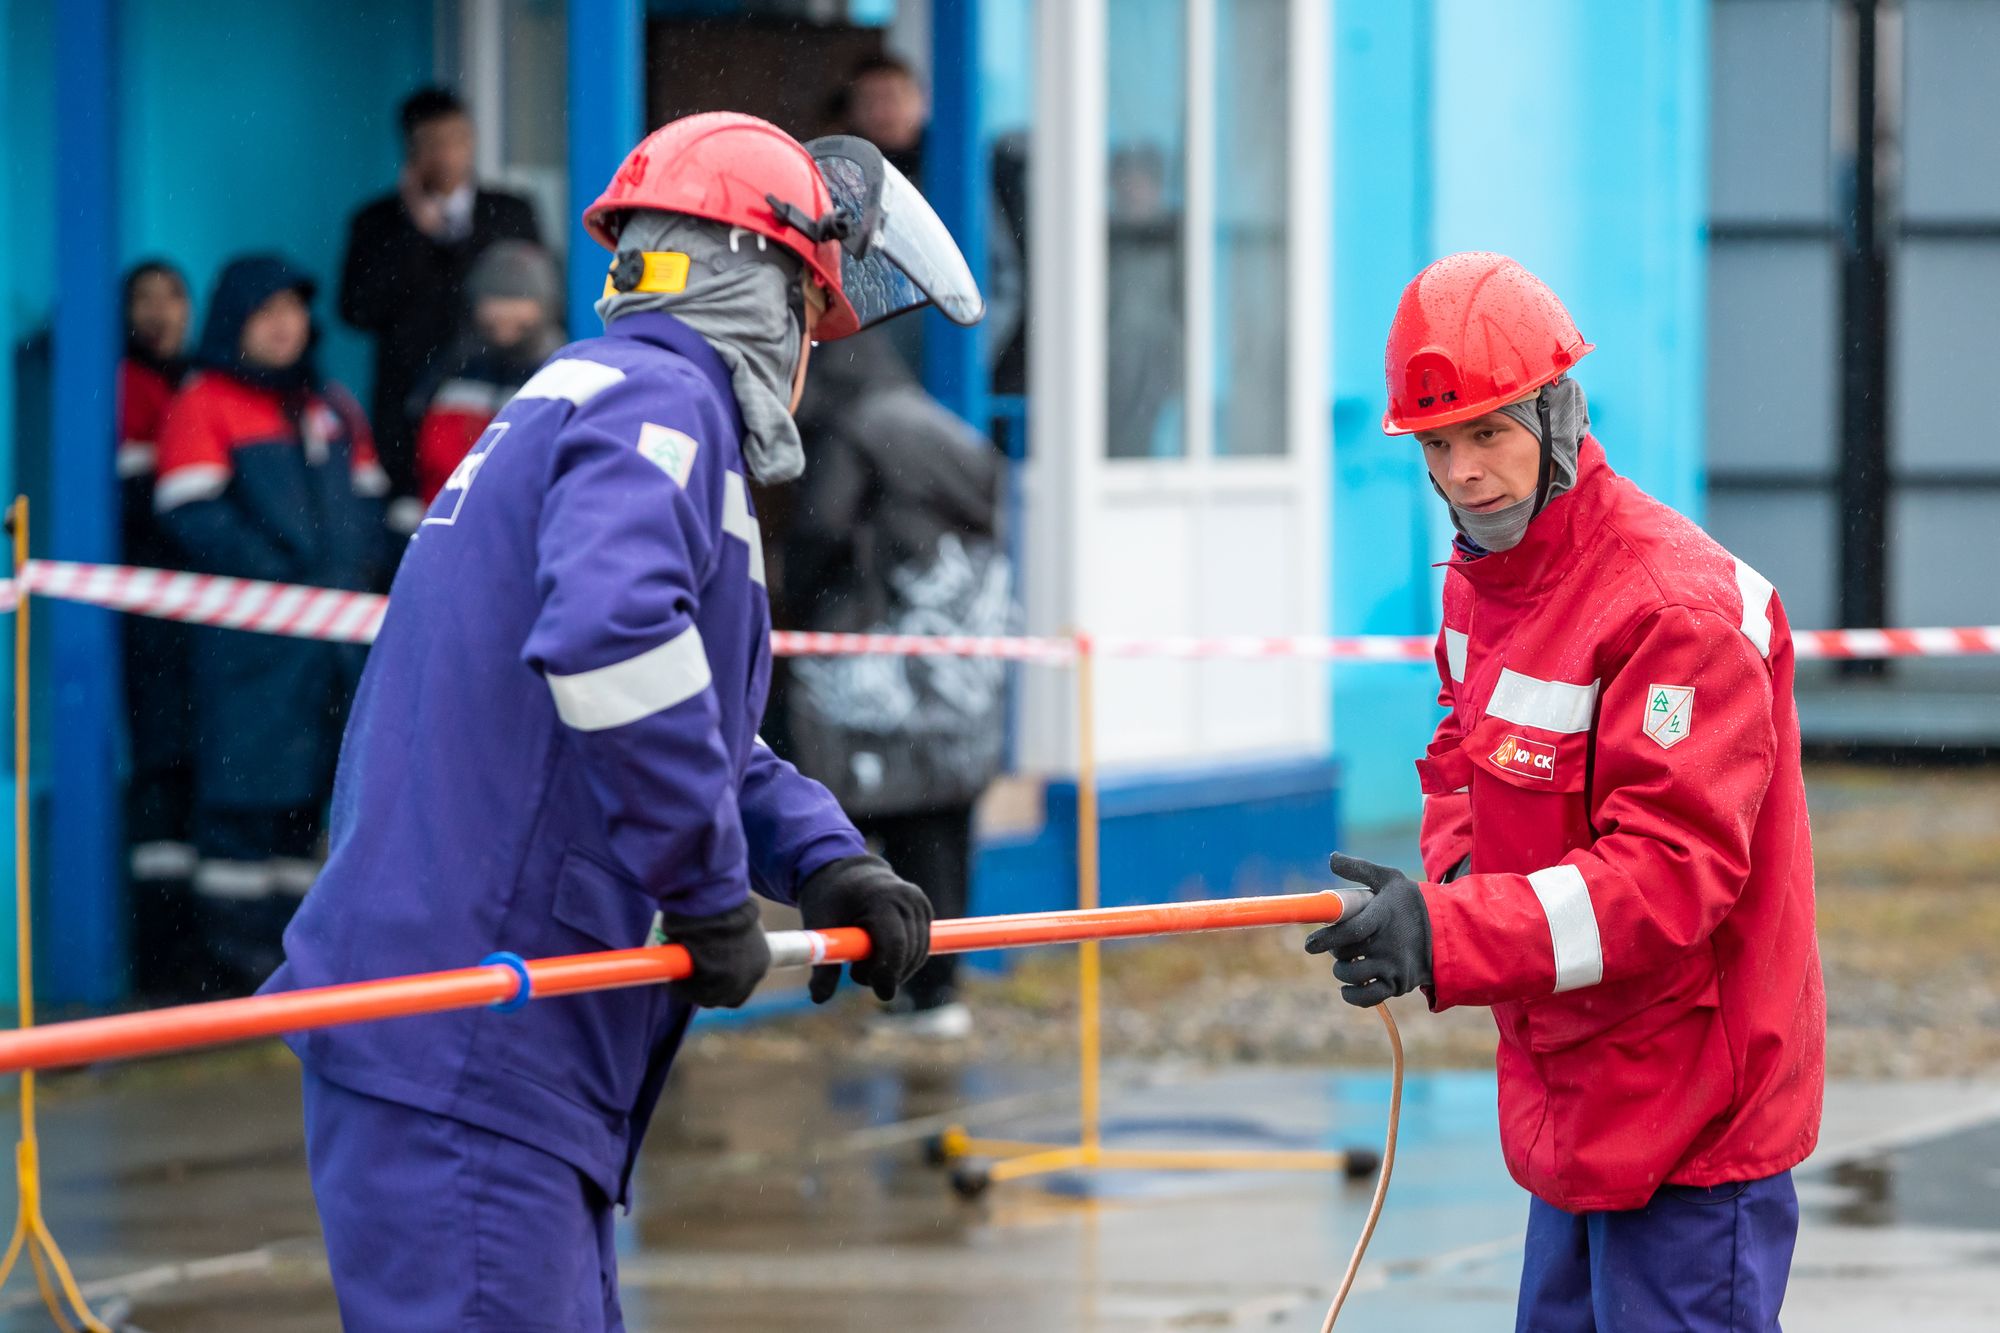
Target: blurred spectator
[895,532]
[516,297]
[404,276]
[266,473]
[1143,365]
[166,954]
[885,104]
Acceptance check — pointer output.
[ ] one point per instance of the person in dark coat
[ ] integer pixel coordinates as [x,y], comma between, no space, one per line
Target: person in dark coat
[895,531]
[516,297]
[266,473]
[403,280]
[159,796]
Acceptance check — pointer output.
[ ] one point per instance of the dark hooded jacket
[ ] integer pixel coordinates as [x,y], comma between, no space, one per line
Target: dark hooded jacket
[896,530]
[271,475]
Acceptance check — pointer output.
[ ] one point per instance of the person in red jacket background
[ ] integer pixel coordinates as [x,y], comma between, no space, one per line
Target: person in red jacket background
[166,953]
[516,324]
[266,472]
[1615,843]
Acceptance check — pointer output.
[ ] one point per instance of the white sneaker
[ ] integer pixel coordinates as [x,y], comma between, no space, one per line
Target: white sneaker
[946,1022]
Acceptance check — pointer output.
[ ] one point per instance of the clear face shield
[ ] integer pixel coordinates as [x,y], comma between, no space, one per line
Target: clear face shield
[895,254]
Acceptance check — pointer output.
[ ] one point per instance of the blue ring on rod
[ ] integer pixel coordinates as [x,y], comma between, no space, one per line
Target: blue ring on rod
[519,967]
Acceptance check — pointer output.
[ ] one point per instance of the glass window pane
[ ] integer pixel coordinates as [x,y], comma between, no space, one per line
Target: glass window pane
[1930,580]
[1944,340]
[1773,357]
[1951,156]
[1145,99]
[1770,133]
[1250,220]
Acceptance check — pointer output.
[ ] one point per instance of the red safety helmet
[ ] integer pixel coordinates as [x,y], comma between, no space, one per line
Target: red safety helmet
[1473,332]
[727,167]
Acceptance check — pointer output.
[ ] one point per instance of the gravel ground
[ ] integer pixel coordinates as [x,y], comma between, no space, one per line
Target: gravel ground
[1909,920]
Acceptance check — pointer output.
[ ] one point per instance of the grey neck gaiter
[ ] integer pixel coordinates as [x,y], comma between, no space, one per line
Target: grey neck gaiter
[1569,421]
[743,297]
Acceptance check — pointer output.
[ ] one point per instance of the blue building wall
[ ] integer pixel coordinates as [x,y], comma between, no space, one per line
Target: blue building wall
[1573,136]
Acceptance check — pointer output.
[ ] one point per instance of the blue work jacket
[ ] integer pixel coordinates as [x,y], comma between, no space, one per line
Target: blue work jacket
[555,738]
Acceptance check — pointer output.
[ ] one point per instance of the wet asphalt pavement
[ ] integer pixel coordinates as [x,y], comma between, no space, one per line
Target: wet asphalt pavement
[781,1197]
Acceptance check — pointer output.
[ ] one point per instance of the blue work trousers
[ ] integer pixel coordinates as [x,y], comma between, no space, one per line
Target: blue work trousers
[436,1226]
[1703,1260]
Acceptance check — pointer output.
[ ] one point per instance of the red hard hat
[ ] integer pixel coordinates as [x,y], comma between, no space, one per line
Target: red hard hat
[1473,332]
[725,166]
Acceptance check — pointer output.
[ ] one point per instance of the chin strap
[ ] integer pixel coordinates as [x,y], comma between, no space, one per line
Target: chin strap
[1546,475]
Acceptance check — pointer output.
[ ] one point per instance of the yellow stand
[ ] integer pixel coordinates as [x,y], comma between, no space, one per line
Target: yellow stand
[31,1230]
[977,1163]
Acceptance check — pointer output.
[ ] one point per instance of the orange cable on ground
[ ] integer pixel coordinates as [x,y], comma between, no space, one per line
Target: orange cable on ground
[1382,1177]
[31,1230]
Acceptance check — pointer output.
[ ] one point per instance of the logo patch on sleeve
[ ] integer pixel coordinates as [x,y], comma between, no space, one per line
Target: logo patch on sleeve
[1669,713]
[669,450]
[1531,759]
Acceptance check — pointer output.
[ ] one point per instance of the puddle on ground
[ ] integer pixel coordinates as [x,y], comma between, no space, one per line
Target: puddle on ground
[1951,1182]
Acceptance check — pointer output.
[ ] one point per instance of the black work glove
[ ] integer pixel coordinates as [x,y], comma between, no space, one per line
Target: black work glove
[729,952]
[1385,948]
[863,891]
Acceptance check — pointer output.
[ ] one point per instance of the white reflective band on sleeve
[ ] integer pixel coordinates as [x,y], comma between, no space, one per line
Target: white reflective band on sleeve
[737,522]
[184,485]
[237,881]
[571,378]
[623,692]
[1756,590]
[1454,653]
[1552,705]
[1572,926]
[467,396]
[135,458]
[370,482]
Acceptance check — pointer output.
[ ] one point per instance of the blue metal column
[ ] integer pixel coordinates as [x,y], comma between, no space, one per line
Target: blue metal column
[83,914]
[1384,513]
[955,181]
[607,56]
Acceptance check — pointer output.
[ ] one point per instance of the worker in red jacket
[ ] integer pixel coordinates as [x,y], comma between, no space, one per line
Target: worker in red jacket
[1616,856]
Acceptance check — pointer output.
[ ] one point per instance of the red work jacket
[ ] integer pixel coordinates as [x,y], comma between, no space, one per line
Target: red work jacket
[1621,764]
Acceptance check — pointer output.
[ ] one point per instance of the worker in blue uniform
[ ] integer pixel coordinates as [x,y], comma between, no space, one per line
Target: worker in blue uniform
[554,745]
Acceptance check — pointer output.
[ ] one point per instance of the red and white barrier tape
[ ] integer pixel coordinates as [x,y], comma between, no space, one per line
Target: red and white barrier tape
[335,615]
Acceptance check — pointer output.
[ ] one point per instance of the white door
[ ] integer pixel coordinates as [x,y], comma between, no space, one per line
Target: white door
[1180,388]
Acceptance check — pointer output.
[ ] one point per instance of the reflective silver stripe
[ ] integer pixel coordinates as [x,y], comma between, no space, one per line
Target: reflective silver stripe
[240,881]
[370,482]
[135,458]
[162,860]
[1454,653]
[294,874]
[737,522]
[641,686]
[571,378]
[1572,926]
[184,485]
[1552,705]
[1756,590]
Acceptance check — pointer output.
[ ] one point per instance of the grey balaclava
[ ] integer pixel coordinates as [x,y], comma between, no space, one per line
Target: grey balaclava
[1569,421]
[743,297]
